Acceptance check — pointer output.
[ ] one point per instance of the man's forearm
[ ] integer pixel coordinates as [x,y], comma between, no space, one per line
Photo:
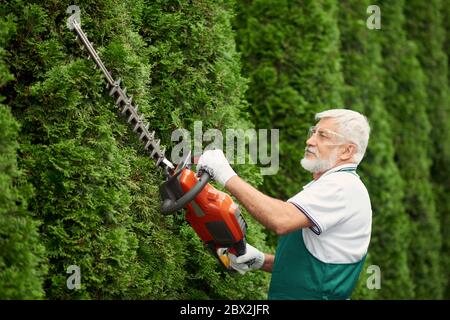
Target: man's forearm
[262,207]
[279,216]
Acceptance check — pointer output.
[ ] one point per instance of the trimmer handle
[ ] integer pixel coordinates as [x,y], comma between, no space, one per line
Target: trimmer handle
[170,205]
[226,260]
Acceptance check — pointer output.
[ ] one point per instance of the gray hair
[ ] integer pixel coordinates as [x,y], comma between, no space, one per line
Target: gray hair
[353,126]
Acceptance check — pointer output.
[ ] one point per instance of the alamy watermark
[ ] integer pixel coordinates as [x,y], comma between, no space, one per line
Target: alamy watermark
[374,20]
[74,280]
[75,11]
[234,144]
[374,280]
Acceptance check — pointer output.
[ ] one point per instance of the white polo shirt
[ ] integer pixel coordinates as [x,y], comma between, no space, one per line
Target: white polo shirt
[339,206]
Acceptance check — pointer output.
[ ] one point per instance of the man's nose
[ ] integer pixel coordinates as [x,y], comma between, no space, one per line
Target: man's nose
[311,141]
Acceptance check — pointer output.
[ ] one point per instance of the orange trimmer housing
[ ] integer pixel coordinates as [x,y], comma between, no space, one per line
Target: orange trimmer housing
[214,216]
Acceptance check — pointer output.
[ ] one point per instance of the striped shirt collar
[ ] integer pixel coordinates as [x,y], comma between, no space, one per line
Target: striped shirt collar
[343,167]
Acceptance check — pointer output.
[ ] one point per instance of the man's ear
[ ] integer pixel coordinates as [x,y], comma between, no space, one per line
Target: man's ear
[349,152]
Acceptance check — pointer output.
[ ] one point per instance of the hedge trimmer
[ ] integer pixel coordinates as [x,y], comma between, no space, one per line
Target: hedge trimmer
[212,214]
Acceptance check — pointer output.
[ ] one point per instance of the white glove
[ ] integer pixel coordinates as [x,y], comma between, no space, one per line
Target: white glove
[253,259]
[214,162]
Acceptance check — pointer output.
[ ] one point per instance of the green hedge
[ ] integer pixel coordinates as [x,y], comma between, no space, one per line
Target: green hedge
[406,100]
[425,26]
[445,218]
[21,253]
[364,92]
[96,193]
[290,53]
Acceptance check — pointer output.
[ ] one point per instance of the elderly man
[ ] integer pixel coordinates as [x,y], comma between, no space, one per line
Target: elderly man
[325,228]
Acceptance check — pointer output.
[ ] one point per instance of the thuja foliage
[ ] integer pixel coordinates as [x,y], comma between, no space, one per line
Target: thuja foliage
[196,77]
[21,252]
[445,218]
[95,190]
[406,100]
[425,25]
[364,92]
[290,53]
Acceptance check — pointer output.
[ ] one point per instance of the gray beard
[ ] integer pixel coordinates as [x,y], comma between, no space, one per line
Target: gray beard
[319,165]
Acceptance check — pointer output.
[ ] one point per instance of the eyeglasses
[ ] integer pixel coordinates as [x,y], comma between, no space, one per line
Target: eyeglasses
[324,135]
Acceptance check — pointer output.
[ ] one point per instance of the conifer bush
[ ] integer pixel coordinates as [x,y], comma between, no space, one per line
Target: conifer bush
[290,53]
[95,191]
[406,100]
[364,92]
[425,25]
[22,264]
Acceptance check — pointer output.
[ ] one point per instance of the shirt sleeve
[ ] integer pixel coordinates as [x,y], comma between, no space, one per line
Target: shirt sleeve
[323,203]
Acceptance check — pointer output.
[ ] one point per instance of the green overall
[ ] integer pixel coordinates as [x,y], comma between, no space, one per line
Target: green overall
[297,274]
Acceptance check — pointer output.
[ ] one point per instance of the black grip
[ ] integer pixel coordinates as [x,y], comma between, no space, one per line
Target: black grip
[170,205]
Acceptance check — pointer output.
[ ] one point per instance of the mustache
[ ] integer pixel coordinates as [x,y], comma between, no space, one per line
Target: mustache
[311,150]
